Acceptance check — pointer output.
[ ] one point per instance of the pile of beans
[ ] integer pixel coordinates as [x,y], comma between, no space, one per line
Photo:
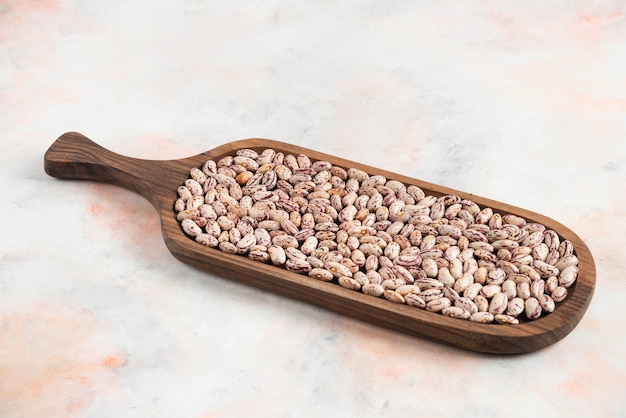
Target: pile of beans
[378,236]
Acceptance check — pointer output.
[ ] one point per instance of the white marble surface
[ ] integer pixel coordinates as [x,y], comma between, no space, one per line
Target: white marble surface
[519,102]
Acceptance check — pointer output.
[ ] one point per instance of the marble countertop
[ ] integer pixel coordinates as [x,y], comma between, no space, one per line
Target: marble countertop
[521,103]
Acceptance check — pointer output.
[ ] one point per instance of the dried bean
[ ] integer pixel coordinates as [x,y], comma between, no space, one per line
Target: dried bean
[377,236]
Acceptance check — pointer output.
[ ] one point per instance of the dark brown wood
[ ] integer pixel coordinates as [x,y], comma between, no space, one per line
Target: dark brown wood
[73,156]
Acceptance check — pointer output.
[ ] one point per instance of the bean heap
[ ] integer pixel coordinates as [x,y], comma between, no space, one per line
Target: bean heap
[376,235]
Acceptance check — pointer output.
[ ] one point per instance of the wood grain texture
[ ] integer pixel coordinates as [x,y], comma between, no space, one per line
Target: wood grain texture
[73,156]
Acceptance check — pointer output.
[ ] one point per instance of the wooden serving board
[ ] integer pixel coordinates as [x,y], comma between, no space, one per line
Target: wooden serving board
[73,156]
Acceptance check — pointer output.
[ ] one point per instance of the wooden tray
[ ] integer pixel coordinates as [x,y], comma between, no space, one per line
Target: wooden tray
[73,156]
